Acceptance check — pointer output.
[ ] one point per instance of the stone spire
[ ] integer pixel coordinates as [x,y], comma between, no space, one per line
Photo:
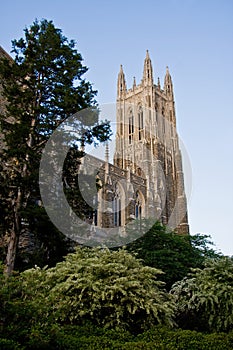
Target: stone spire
[121,84]
[168,87]
[134,83]
[147,71]
[159,87]
[107,175]
[107,152]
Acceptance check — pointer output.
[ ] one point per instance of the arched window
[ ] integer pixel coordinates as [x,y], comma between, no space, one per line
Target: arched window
[138,206]
[140,123]
[95,211]
[117,220]
[156,112]
[131,126]
[121,129]
[139,171]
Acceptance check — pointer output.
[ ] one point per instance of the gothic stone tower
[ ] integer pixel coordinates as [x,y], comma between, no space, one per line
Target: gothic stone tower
[147,145]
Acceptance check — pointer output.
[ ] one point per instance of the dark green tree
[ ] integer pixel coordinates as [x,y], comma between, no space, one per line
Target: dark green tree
[172,253]
[43,86]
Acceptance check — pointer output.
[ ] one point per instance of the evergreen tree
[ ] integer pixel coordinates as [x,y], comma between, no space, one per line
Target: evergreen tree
[43,86]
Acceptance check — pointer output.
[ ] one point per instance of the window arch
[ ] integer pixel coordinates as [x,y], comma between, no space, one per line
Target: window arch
[140,123]
[98,203]
[139,206]
[156,112]
[131,126]
[95,211]
[139,171]
[117,205]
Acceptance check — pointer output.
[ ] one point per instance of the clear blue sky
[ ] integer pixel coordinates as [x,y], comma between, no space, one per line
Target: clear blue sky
[195,39]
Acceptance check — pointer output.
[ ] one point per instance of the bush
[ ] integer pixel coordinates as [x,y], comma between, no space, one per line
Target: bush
[186,339]
[110,289]
[95,338]
[205,298]
[90,337]
[38,307]
[6,344]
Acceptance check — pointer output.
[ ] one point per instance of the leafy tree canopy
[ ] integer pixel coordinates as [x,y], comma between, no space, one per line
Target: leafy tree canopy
[172,253]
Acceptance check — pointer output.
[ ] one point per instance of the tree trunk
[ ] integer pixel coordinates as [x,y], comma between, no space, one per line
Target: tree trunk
[16,207]
[15,233]
[11,252]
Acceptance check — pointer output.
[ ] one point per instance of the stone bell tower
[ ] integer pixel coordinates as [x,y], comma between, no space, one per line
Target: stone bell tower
[147,145]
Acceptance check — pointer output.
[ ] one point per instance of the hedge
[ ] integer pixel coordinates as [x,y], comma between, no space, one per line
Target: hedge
[90,337]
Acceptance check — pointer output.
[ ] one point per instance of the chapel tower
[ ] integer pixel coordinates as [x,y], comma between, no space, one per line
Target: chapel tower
[147,145]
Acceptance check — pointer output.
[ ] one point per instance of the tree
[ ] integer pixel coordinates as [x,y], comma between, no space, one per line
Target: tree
[110,289]
[205,298]
[174,254]
[43,86]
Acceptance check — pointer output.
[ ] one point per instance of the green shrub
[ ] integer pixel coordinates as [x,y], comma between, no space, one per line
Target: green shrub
[110,289]
[70,337]
[140,345]
[205,298]
[6,344]
[90,337]
[16,315]
[186,339]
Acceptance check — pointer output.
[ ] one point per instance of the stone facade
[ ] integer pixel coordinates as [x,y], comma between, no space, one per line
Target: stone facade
[3,54]
[146,179]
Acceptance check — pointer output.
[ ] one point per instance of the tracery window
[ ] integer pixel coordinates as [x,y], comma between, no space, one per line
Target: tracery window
[117,221]
[140,123]
[131,127]
[95,211]
[138,206]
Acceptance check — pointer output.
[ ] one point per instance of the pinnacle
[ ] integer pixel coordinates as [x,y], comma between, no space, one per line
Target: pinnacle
[106,153]
[134,81]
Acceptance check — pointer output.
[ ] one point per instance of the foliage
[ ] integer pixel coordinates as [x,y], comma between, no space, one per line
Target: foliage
[75,187]
[89,337]
[205,298]
[42,86]
[172,253]
[27,320]
[16,316]
[7,344]
[110,289]
[179,339]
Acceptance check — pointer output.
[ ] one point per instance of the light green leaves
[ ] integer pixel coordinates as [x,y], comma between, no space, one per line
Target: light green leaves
[109,288]
[206,297]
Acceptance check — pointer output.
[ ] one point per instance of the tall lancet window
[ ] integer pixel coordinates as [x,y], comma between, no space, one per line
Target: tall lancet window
[138,206]
[140,123]
[131,126]
[95,211]
[117,207]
